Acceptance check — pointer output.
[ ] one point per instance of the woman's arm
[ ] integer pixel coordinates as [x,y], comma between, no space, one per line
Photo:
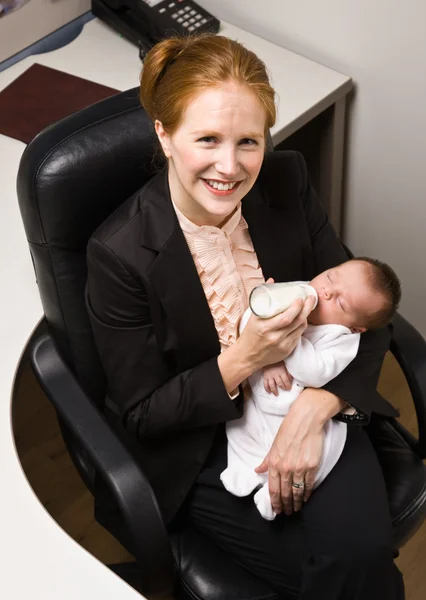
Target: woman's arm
[151,399]
[297,449]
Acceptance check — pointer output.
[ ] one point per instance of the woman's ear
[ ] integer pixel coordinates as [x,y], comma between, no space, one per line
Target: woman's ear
[163,137]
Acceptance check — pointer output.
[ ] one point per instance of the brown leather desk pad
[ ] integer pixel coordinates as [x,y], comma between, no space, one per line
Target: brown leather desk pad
[41,96]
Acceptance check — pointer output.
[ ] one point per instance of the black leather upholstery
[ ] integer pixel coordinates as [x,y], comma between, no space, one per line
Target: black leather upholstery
[204,571]
[71,177]
[104,152]
[62,174]
[405,478]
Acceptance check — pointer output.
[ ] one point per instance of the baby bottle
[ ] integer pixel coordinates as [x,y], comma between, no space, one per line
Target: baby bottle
[270,299]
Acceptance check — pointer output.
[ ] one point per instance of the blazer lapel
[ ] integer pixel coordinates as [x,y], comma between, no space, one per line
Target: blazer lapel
[277,233]
[173,272]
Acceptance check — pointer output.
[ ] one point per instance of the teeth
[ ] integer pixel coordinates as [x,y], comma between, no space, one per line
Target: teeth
[221,186]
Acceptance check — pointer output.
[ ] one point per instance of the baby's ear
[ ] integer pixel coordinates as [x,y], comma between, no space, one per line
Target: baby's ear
[358,329]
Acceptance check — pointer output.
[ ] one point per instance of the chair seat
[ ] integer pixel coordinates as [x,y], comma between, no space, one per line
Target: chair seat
[405,477]
[207,573]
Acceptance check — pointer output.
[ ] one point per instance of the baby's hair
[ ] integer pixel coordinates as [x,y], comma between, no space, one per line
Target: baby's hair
[383,280]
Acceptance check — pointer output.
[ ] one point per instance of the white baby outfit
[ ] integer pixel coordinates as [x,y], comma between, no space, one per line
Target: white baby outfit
[322,353]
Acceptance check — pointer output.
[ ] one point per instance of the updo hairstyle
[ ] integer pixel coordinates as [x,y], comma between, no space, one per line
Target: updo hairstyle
[177,69]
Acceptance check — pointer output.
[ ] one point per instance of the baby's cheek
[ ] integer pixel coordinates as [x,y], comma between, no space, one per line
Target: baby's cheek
[315,315]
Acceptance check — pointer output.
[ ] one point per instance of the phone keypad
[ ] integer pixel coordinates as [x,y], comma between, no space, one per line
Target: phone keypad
[187,16]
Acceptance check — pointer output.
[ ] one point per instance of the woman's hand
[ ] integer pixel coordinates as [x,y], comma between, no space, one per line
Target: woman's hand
[267,341]
[263,342]
[297,450]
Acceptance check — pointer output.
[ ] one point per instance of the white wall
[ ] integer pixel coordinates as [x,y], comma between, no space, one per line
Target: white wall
[381,44]
[35,20]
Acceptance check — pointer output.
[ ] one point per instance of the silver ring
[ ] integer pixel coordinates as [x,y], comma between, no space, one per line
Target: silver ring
[298,485]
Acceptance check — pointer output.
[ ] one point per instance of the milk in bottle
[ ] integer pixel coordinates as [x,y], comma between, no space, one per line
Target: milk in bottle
[270,299]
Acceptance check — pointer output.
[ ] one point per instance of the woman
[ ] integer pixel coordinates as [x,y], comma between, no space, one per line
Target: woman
[169,275]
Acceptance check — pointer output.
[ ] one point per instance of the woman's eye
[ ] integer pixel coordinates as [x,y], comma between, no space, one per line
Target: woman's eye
[245,141]
[207,138]
[328,277]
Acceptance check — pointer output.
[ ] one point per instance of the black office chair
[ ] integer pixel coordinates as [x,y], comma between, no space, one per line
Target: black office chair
[71,177]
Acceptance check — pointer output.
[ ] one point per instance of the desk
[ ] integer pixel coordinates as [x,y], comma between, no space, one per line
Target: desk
[43,562]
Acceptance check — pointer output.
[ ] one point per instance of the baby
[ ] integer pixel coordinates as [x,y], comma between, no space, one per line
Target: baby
[357,295]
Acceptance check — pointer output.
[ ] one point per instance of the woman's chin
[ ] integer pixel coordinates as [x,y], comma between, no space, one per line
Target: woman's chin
[222,208]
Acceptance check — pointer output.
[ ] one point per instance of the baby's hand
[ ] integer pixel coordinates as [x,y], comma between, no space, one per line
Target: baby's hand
[276,376]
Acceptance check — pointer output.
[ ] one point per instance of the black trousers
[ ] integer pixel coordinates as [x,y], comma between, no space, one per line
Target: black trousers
[338,547]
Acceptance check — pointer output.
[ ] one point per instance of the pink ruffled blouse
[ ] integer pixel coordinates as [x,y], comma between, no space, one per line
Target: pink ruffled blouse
[228,268]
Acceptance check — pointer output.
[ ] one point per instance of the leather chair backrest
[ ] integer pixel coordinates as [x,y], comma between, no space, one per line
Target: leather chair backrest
[71,177]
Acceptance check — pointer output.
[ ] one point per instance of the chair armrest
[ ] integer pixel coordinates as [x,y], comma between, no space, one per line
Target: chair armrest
[120,472]
[409,349]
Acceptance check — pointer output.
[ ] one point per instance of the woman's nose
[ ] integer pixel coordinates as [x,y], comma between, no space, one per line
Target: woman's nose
[227,163]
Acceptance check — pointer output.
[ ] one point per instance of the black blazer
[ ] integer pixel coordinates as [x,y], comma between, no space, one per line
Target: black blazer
[155,334]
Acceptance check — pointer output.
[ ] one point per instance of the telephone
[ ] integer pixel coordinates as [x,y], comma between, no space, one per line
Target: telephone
[145,22]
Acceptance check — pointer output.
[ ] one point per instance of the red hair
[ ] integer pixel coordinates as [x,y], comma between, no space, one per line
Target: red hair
[177,69]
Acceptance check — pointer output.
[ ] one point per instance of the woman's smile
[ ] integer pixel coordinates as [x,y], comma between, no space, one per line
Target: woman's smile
[221,188]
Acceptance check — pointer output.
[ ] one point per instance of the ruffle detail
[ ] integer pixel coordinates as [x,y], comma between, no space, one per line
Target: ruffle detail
[228,269]
[246,258]
[221,283]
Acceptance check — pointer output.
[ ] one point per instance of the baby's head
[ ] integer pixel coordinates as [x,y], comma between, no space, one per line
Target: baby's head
[361,294]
